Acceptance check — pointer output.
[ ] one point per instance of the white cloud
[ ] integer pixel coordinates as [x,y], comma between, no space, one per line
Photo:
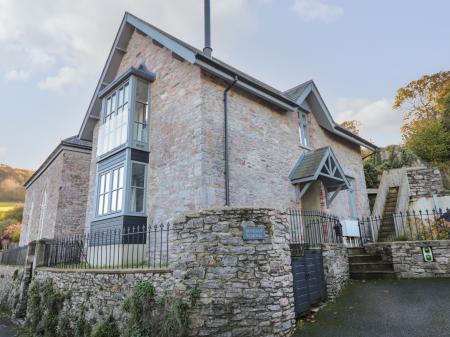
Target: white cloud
[379,122]
[66,75]
[14,75]
[316,10]
[46,37]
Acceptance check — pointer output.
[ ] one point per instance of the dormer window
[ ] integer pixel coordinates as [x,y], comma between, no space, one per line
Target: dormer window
[303,129]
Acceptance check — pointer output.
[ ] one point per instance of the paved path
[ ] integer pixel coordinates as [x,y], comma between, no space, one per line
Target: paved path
[5,329]
[386,308]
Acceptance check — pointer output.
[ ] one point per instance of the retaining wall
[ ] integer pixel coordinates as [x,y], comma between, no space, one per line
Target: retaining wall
[336,268]
[408,260]
[245,282]
[10,282]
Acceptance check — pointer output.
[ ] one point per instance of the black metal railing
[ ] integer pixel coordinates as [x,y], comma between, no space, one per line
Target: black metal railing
[406,226]
[14,256]
[131,247]
[310,229]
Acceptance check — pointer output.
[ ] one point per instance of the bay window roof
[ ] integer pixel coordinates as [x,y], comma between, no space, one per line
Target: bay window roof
[141,72]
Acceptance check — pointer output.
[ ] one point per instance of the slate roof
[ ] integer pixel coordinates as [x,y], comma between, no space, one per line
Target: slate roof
[297,91]
[308,164]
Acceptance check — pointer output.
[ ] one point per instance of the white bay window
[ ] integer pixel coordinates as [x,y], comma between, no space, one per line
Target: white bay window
[122,147]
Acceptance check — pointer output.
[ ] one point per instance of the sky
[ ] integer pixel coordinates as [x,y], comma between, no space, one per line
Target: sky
[358,52]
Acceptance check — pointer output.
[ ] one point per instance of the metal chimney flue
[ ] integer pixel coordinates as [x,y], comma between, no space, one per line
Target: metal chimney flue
[207,50]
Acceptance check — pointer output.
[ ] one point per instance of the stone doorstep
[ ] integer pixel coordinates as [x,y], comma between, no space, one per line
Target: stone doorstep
[104,271]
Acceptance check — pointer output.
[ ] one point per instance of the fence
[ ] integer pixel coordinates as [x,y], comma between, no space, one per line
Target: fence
[14,256]
[310,229]
[406,226]
[130,247]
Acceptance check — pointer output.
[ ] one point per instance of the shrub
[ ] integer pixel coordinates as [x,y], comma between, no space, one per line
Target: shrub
[151,316]
[106,328]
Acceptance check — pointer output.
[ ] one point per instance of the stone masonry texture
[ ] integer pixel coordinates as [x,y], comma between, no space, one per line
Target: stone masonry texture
[408,260]
[336,268]
[10,281]
[65,181]
[186,164]
[424,182]
[246,286]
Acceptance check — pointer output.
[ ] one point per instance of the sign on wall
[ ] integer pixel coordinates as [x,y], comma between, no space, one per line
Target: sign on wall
[427,253]
[254,232]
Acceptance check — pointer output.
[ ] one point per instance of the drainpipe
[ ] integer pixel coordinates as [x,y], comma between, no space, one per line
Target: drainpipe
[225,134]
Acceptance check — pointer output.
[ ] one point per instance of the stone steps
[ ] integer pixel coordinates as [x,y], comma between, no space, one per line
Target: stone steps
[373,275]
[364,266]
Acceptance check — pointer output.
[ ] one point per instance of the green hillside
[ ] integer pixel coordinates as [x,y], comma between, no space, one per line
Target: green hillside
[11,184]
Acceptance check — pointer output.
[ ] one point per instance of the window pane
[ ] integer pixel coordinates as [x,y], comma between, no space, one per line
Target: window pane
[137,199]
[102,183]
[141,91]
[119,199]
[126,93]
[108,182]
[113,103]
[113,201]
[138,175]
[100,205]
[115,178]
[120,178]
[108,106]
[106,204]
[120,96]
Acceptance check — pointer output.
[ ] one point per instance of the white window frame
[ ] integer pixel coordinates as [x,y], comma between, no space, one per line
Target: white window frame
[111,105]
[130,187]
[106,194]
[303,129]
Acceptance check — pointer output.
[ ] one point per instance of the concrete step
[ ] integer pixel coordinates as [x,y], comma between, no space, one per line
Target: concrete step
[373,275]
[371,266]
[364,258]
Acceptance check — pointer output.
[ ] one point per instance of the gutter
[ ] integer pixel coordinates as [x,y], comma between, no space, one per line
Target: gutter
[225,136]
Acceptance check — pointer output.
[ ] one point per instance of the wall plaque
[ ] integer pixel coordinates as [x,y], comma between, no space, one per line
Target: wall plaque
[254,233]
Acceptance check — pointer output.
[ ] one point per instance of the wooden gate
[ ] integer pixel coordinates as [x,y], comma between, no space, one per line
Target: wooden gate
[309,280]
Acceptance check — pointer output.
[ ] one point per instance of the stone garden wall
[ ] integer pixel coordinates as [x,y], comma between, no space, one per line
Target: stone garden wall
[336,268]
[246,285]
[10,282]
[239,259]
[101,292]
[408,260]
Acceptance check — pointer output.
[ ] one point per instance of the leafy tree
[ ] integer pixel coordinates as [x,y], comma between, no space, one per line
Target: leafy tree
[430,141]
[352,126]
[422,99]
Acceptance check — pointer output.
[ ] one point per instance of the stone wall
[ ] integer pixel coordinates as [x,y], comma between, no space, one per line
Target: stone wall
[71,212]
[101,293]
[424,182]
[65,181]
[10,282]
[408,260]
[246,286]
[336,268]
[186,141]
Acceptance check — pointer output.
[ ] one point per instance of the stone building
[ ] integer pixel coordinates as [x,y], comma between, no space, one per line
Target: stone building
[56,194]
[173,130]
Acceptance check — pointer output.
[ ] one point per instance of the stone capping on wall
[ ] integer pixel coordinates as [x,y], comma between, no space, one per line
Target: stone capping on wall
[104,271]
[407,259]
